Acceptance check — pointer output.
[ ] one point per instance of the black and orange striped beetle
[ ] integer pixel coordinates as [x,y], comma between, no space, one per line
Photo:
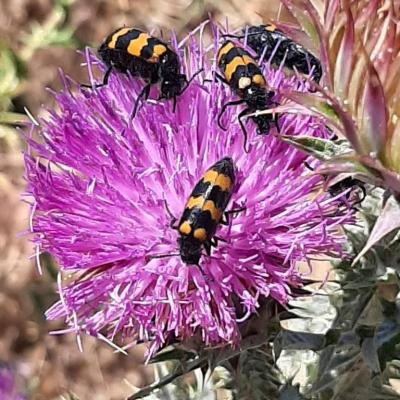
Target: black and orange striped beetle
[130,50]
[347,183]
[268,41]
[242,73]
[204,210]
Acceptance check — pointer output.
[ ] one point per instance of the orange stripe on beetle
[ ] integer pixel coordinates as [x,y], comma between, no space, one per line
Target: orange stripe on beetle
[248,60]
[136,45]
[232,67]
[195,202]
[221,180]
[200,234]
[224,182]
[258,79]
[224,50]
[235,63]
[185,228]
[158,51]
[116,36]
[216,214]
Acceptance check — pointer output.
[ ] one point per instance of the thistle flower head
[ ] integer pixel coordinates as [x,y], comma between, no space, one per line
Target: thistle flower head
[104,188]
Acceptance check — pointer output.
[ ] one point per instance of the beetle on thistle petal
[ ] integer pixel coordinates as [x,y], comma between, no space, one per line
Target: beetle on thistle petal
[204,211]
[244,76]
[130,50]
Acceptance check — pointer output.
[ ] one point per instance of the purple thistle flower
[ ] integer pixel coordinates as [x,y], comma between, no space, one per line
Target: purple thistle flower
[8,386]
[102,184]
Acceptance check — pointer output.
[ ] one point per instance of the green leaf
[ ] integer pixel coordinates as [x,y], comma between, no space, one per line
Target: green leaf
[13,118]
[298,36]
[219,357]
[172,354]
[289,392]
[319,105]
[182,369]
[257,377]
[291,340]
[306,16]
[387,331]
[370,354]
[339,368]
[10,81]
[322,149]
[327,106]
[49,33]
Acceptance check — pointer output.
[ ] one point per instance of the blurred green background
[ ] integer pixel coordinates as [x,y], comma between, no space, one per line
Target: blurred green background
[37,37]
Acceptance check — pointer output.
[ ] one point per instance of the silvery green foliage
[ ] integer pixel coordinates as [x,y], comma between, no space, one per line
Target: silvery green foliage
[360,352]
[258,378]
[197,386]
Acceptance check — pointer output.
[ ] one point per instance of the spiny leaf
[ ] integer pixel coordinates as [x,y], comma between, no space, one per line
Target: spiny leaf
[289,392]
[383,392]
[291,340]
[257,378]
[388,221]
[382,53]
[298,36]
[216,358]
[347,164]
[183,369]
[370,355]
[328,107]
[320,105]
[172,354]
[387,330]
[301,11]
[392,151]
[335,362]
[331,10]
[373,113]
[322,149]
[356,85]
[391,178]
[344,67]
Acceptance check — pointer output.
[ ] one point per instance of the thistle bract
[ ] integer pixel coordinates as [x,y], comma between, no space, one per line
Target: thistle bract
[104,187]
[357,43]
